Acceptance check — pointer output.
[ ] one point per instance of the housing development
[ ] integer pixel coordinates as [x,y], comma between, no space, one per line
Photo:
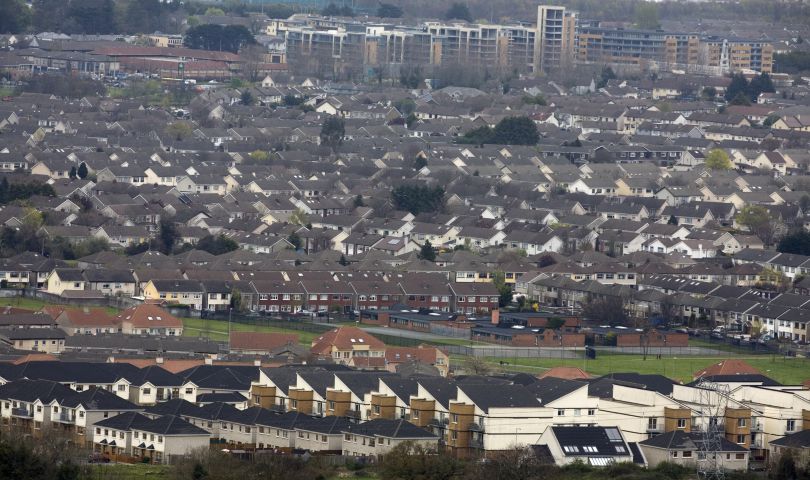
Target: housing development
[352,240]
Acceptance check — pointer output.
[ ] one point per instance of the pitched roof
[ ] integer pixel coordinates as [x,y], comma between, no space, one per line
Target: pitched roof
[149,315]
[345,338]
[727,367]
[261,341]
[680,440]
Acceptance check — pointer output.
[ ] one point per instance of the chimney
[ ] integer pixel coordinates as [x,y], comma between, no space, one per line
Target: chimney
[496,316]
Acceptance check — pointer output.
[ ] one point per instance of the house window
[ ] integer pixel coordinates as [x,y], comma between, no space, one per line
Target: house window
[687,453]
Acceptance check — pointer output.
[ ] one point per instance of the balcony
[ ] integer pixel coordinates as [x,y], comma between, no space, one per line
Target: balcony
[475,427]
[757,427]
[65,417]
[441,422]
[21,412]
[353,414]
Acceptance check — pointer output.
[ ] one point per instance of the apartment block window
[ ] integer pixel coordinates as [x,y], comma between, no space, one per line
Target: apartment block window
[681,423]
[591,412]
[652,423]
[741,439]
[454,418]
[560,412]
[741,422]
[791,425]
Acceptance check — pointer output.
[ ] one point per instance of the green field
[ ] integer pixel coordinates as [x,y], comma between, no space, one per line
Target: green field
[35,304]
[218,329]
[784,370]
[126,472]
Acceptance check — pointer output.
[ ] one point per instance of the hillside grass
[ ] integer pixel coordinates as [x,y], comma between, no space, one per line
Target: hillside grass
[218,330]
[784,370]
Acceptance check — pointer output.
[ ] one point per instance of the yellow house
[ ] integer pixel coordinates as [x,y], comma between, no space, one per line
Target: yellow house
[180,292]
[62,279]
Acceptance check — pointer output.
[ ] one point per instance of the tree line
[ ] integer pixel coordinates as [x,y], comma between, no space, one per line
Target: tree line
[509,131]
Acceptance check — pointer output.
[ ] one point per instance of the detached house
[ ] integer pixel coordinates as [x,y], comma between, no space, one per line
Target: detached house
[345,344]
[149,319]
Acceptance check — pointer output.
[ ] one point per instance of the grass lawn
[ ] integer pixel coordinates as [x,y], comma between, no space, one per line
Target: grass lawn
[121,471]
[7,91]
[218,329]
[35,304]
[788,371]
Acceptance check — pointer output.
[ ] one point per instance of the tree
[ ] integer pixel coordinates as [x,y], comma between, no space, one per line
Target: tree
[604,77]
[516,131]
[796,242]
[406,106]
[246,98]
[295,241]
[740,99]
[646,16]
[458,11]
[236,300]
[758,220]
[82,172]
[760,84]
[420,163]
[606,310]
[427,252]
[343,260]
[72,175]
[15,16]
[785,468]
[412,461]
[214,12]
[709,93]
[717,159]
[505,293]
[333,130]
[259,156]
[476,366]
[299,217]
[386,10]
[217,245]
[418,198]
[228,38]
[738,85]
[168,236]
[179,130]
[358,201]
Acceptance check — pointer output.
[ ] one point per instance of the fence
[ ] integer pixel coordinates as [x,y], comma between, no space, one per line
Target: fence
[108,301]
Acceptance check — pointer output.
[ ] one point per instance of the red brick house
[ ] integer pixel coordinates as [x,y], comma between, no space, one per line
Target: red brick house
[279,296]
[426,290]
[328,295]
[376,294]
[474,298]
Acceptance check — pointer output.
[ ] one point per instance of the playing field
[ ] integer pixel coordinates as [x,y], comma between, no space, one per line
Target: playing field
[784,370]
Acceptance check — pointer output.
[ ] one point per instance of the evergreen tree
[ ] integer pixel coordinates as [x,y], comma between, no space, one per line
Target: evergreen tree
[72,173]
[427,252]
[82,172]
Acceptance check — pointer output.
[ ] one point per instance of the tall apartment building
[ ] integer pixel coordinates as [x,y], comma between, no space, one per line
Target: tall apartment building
[317,45]
[632,47]
[730,55]
[555,38]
